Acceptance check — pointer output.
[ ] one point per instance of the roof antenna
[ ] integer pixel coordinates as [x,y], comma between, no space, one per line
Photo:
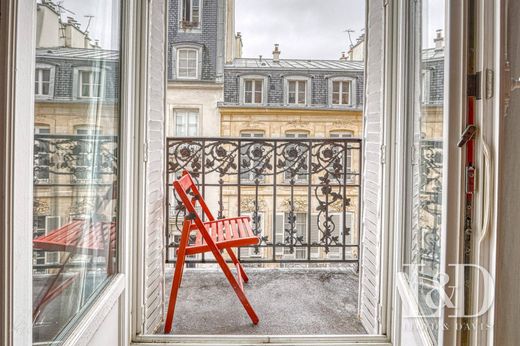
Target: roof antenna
[89,17]
[350,31]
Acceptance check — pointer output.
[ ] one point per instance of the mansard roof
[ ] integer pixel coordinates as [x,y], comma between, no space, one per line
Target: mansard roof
[296,64]
[78,53]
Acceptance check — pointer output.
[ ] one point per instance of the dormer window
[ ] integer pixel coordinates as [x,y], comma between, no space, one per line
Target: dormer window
[297,91]
[90,84]
[253,93]
[253,89]
[190,14]
[44,81]
[342,91]
[187,63]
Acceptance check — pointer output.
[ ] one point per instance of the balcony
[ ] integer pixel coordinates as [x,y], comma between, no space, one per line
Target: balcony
[303,197]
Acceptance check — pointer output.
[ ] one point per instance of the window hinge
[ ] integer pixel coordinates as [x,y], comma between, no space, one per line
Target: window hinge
[490,83]
[383,154]
[379,312]
[145,152]
[474,89]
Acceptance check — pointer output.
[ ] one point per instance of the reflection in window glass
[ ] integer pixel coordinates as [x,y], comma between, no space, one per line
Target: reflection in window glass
[75,203]
[427,168]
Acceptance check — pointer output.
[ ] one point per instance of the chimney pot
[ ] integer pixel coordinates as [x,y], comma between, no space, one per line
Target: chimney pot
[439,40]
[276,53]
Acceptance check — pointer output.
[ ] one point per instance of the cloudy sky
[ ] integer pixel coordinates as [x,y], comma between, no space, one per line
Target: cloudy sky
[102,14]
[305,29]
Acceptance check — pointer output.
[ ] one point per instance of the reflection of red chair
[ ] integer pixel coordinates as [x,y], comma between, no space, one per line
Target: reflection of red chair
[77,237]
[212,236]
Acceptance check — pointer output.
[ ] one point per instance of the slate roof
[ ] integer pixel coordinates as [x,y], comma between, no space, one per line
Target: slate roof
[78,53]
[432,53]
[295,64]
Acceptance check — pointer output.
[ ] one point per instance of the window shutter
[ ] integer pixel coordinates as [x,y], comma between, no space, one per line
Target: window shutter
[315,236]
[279,233]
[52,223]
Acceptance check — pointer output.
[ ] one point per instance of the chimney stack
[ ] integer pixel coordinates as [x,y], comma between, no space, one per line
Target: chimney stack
[439,40]
[276,53]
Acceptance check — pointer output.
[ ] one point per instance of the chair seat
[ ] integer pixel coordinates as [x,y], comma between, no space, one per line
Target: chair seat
[226,233]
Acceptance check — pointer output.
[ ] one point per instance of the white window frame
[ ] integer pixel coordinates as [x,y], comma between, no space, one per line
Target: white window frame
[282,251]
[308,90]
[345,134]
[191,27]
[78,79]
[352,93]
[256,78]
[197,66]
[187,112]
[52,73]
[251,134]
[303,134]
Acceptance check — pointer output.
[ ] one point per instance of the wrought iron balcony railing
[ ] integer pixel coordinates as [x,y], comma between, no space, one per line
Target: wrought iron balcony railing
[303,194]
[74,159]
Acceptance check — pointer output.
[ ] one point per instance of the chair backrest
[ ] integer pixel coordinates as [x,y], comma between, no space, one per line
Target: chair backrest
[186,185]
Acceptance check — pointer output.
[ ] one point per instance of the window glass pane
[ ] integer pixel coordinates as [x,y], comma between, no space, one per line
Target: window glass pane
[195,11]
[335,87]
[186,13]
[427,170]
[258,97]
[75,168]
[46,75]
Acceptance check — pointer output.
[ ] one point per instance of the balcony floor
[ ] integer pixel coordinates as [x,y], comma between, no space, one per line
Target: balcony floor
[287,301]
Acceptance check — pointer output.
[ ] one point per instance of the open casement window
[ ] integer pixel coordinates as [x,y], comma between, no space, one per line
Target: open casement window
[191,13]
[253,91]
[187,63]
[186,122]
[297,166]
[250,159]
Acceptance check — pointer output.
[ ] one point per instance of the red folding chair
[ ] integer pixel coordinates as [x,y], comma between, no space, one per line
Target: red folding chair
[212,236]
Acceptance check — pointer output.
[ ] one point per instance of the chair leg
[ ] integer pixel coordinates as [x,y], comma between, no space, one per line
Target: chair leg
[236,262]
[177,278]
[234,283]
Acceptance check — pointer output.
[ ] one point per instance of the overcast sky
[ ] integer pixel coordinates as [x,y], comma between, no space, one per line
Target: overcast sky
[104,25]
[305,29]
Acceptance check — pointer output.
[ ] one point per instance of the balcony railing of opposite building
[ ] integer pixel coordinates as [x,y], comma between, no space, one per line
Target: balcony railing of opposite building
[303,194]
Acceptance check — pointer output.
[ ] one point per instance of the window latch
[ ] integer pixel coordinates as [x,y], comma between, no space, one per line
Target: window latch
[468,134]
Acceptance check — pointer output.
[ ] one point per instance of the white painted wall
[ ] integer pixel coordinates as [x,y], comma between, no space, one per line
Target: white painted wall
[201,96]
